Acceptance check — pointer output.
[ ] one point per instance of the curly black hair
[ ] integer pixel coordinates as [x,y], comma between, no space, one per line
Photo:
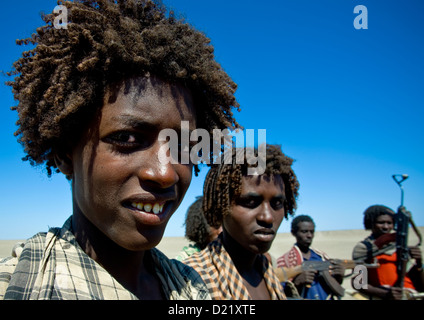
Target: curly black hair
[373,212]
[62,81]
[223,182]
[197,228]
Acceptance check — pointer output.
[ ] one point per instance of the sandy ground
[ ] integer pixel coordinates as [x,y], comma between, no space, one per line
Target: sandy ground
[337,244]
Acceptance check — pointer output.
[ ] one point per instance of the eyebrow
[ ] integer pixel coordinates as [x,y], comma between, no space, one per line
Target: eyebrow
[256,195]
[133,122]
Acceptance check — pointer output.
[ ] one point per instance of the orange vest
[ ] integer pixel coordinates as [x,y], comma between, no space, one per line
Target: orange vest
[386,274]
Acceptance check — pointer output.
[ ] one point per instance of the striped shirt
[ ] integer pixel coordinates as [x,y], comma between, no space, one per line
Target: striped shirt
[52,266]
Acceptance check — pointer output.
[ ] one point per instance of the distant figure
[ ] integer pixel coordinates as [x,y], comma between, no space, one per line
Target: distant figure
[310,284]
[379,220]
[197,230]
[250,209]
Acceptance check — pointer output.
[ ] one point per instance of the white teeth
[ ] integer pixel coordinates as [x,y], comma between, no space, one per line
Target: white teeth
[148,207]
[156,208]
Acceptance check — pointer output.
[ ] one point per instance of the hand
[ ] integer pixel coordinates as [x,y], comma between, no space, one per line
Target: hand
[305,278]
[415,253]
[336,270]
[394,293]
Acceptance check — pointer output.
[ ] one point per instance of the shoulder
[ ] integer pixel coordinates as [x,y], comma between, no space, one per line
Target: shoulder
[22,249]
[182,275]
[187,251]
[361,245]
[22,255]
[203,260]
[320,253]
[199,260]
[291,258]
[7,268]
[361,248]
[184,269]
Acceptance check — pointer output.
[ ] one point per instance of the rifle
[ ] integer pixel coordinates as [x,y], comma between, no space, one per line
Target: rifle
[402,220]
[323,267]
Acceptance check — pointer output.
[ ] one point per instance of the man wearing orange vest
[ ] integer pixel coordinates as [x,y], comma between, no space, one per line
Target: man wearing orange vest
[380,220]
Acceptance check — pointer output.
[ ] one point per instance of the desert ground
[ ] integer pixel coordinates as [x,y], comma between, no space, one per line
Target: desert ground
[337,244]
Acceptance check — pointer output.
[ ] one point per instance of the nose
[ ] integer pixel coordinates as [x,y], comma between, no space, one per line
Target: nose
[157,172]
[386,226]
[265,216]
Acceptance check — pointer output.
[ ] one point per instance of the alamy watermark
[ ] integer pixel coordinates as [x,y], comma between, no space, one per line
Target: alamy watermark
[361,20]
[360,280]
[61,21]
[179,148]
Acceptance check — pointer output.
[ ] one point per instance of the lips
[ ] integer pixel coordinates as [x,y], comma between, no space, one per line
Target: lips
[265,234]
[149,210]
[265,231]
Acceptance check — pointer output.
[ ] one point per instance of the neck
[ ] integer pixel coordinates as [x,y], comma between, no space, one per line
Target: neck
[243,259]
[304,249]
[125,266]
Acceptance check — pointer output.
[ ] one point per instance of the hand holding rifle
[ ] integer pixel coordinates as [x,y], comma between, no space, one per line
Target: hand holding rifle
[403,219]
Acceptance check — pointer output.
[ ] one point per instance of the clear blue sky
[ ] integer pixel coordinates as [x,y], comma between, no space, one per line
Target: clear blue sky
[346,104]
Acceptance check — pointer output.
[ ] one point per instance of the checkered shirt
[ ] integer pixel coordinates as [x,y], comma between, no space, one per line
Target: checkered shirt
[52,266]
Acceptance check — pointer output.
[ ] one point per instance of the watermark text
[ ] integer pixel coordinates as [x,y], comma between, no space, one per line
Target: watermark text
[185,147]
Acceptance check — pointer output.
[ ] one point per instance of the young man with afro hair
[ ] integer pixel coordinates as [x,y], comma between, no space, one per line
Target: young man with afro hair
[92,100]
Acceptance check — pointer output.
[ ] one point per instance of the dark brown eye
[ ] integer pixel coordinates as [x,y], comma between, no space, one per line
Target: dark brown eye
[249,202]
[277,204]
[127,140]
[125,137]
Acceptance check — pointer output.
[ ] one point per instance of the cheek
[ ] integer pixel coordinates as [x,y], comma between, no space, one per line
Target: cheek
[237,223]
[279,217]
[101,176]
[106,170]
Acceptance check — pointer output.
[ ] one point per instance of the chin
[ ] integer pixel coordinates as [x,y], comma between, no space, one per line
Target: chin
[261,249]
[142,241]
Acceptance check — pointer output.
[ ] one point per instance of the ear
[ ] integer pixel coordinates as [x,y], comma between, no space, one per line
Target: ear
[64,164]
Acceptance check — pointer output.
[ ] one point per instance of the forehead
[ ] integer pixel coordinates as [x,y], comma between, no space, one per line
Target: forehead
[262,184]
[149,100]
[305,225]
[384,218]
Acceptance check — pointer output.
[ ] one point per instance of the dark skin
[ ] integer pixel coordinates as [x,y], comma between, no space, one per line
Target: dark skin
[384,224]
[304,237]
[123,196]
[251,227]
[248,267]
